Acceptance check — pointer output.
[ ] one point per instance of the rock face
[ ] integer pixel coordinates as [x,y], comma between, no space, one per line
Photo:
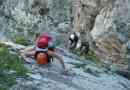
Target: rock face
[111,31]
[107,23]
[81,76]
[85,13]
[26,18]
[52,77]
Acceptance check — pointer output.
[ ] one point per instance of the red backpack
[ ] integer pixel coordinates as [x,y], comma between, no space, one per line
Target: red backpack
[42,58]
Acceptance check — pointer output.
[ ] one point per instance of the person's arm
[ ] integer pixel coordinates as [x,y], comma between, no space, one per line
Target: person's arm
[29,51]
[58,57]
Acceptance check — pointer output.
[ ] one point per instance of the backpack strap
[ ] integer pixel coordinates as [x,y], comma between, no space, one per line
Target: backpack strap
[41,49]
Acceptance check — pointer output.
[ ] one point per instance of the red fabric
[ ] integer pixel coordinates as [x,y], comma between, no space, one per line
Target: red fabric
[42,42]
[47,36]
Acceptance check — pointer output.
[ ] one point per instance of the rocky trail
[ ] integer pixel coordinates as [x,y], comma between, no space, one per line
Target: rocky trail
[81,75]
[105,24]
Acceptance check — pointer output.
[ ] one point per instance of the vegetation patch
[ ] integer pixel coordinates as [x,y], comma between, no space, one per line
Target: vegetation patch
[91,55]
[11,67]
[21,40]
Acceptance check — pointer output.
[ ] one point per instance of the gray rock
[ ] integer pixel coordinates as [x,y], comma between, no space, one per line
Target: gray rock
[35,76]
[47,78]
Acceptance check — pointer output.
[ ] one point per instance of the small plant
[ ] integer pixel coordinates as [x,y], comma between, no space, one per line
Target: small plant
[21,40]
[92,56]
[11,67]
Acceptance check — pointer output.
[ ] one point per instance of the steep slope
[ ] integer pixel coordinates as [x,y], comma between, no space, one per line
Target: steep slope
[106,23]
[82,75]
[24,19]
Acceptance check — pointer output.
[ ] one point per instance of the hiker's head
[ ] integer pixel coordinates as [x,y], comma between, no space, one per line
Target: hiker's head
[72,36]
[42,42]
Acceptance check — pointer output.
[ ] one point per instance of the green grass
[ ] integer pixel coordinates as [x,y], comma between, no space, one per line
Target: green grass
[21,40]
[93,57]
[10,62]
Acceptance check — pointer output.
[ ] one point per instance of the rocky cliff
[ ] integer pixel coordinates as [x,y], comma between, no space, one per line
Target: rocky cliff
[106,22]
[24,19]
[102,23]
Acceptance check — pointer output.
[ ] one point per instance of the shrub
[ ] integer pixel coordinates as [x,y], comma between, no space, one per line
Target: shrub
[92,56]
[11,67]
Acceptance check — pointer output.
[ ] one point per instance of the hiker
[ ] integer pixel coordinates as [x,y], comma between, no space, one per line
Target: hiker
[84,47]
[73,40]
[75,43]
[43,51]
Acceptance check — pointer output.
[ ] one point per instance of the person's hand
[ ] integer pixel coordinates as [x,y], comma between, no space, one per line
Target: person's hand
[65,71]
[21,51]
